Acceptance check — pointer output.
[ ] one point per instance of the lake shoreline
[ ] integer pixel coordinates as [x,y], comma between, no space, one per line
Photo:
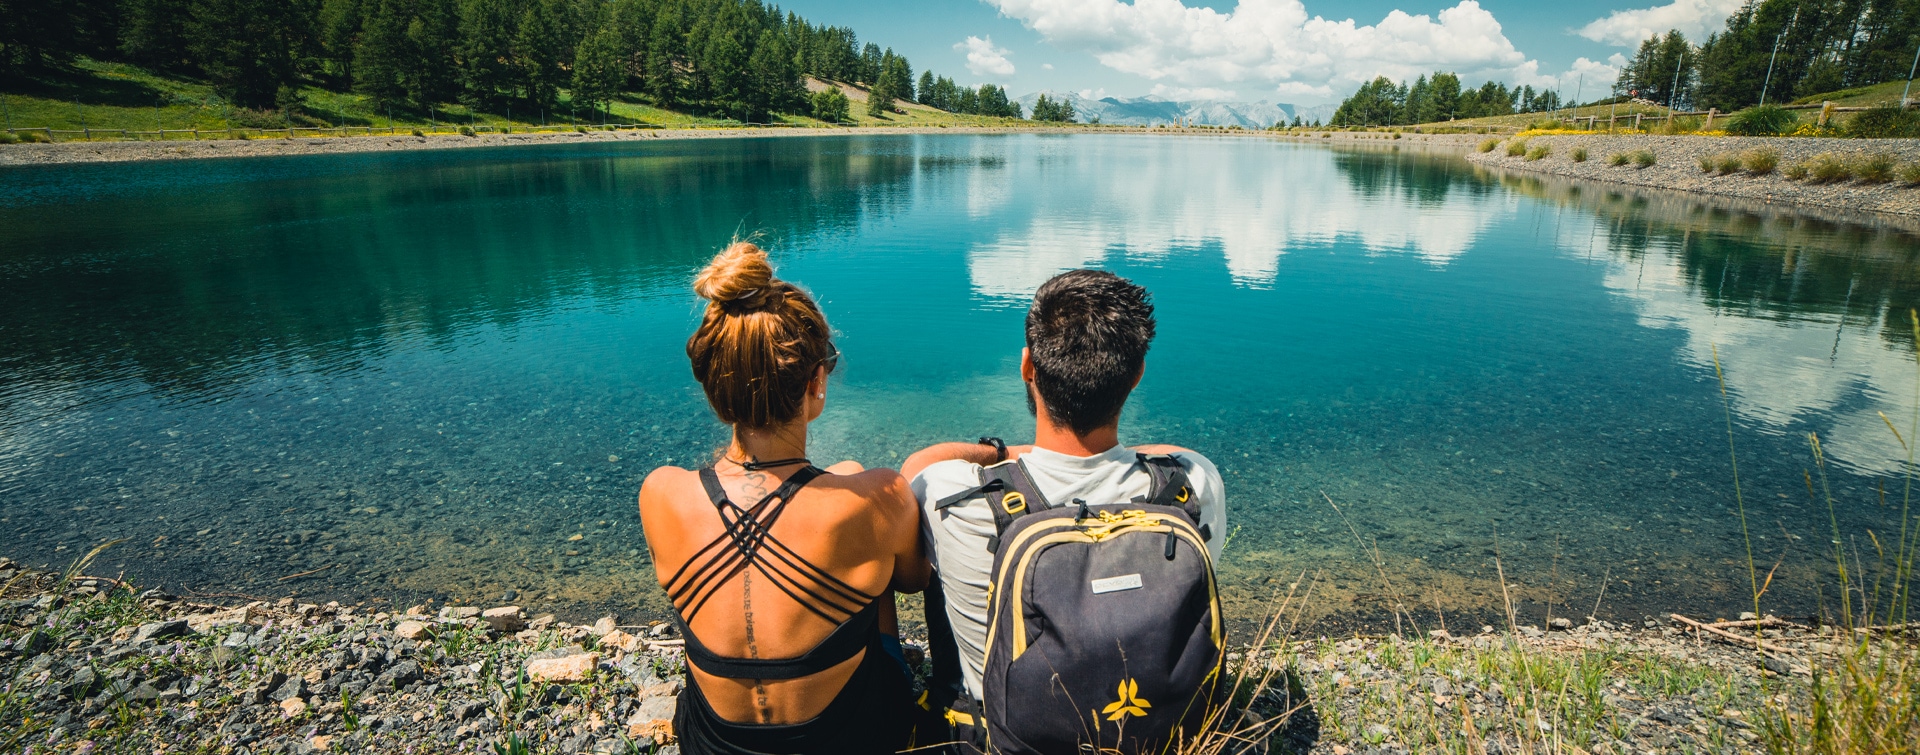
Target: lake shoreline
[107,663]
[1677,168]
[68,153]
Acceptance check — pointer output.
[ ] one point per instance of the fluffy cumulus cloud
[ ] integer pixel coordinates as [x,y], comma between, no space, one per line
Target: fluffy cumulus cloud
[1694,18]
[984,59]
[1274,46]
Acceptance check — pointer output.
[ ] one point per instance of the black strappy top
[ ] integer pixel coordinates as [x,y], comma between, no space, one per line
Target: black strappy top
[748,543]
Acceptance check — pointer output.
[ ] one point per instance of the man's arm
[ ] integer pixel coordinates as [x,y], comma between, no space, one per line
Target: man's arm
[977,453]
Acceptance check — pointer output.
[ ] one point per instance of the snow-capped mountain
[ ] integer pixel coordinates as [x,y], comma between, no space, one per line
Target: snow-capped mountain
[1150,110]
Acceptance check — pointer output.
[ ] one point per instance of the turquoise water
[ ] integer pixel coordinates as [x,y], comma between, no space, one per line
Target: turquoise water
[424,374]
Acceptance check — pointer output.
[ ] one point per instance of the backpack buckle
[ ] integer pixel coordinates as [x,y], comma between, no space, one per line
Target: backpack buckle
[1013,502]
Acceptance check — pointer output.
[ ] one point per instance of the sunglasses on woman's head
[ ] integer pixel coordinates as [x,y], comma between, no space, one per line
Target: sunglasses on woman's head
[832,362]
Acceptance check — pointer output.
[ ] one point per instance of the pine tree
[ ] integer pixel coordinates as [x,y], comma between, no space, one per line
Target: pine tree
[665,47]
[599,67]
[485,49]
[382,58]
[540,51]
[925,91]
[246,48]
[340,22]
[434,36]
[870,59]
[154,32]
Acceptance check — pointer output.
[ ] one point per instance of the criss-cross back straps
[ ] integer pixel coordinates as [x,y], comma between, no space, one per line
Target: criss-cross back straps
[748,542]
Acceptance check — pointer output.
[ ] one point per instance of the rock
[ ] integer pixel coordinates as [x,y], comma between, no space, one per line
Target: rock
[33,643]
[320,742]
[291,688]
[602,627]
[235,640]
[654,719]
[207,622]
[505,618]
[541,624]
[458,613]
[81,685]
[142,693]
[420,610]
[571,669]
[411,630]
[398,675]
[621,640]
[223,656]
[1531,631]
[161,630]
[468,710]
[1560,624]
[661,631]
[293,707]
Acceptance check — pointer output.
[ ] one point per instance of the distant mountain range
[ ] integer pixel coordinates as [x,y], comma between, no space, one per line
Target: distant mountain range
[1151,110]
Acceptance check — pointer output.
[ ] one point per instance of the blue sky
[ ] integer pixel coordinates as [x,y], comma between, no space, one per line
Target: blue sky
[1298,51]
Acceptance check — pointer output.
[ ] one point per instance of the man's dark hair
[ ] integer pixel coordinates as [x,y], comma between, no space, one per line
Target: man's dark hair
[1087,335]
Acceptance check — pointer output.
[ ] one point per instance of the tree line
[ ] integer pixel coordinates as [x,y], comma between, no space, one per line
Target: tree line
[742,59]
[1824,46]
[1434,98]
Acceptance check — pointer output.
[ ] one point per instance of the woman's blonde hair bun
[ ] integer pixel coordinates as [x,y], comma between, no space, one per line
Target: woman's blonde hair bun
[738,278]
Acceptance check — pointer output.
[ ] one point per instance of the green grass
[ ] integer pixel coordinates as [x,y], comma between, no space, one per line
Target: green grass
[113,97]
[1867,96]
[1761,160]
[1579,154]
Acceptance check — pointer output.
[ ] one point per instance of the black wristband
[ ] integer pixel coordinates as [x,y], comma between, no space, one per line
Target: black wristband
[999,446]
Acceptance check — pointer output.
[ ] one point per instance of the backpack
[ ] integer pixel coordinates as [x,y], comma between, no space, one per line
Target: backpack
[1104,624]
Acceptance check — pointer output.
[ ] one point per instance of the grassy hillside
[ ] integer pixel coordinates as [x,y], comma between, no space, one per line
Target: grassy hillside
[97,95]
[1879,94]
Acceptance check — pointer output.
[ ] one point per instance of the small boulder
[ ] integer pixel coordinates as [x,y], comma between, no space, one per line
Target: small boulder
[399,675]
[293,707]
[459,613]
[621,640]
[661,631]
[505,619]
[291,688]
[571,669]
[654,719]
[602,627]
[1560,624]
[411,630]
[161,630]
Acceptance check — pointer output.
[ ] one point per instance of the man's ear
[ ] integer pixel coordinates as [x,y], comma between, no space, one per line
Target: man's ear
[1026,365]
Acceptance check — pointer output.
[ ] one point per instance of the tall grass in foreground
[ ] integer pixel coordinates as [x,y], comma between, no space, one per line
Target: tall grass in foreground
[1864,696]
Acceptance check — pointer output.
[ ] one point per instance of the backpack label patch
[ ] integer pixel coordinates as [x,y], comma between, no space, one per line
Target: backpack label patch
[1116,584]
[1130,702]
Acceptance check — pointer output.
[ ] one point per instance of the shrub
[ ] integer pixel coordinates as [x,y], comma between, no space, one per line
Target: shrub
[1728,163]
[1765,120]
[466,131]
[1761,160]
[1876,169]
[1516,148]
[1488,145]
[1884,122]
[1539,152]
[830,105]
[1910,174]
[1549,124]
[1579,154]
[416,132]
[1798,171]
[506,129]
[1326,135]
[1396,134]
[1828,169]
[1617,159]
[1706,163]
[1644,158]
[7,137]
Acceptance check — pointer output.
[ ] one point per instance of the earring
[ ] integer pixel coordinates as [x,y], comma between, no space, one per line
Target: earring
[819,395]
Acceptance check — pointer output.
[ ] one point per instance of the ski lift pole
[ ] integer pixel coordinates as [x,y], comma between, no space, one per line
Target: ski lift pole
[1903,93]
[1776,54]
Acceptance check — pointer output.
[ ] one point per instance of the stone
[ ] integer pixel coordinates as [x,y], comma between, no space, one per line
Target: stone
[571,669]
[321,742]
[411,630]
[161,630]
[458,613]
[293,707]
[291,688]
[661,631]
[207,622]
[654,719]
[1561,624]
[1531,631]
[468,710]
[505,618]
[540,624]
[32,644]
[602,627]
[622,641]
[398,675]
[223,656]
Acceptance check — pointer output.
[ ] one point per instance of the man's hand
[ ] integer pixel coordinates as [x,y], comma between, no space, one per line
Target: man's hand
[977,453]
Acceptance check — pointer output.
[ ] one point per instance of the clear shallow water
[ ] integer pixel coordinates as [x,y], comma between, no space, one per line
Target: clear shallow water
[424,373]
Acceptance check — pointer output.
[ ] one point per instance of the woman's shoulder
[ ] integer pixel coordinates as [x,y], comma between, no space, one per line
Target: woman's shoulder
[879,485]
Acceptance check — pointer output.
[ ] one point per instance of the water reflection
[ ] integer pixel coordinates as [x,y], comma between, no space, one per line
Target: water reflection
[429,372]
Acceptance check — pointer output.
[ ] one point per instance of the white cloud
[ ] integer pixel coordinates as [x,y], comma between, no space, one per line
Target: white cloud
[1194,195]
[1192,93]
[1094,94]
[984,59]
[1046,66]
[1273,44]
[1694,18]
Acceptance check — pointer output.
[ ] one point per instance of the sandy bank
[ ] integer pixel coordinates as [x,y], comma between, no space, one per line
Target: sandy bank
[1676,168]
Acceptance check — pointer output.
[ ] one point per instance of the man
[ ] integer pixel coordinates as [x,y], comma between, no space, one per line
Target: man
[1087,338]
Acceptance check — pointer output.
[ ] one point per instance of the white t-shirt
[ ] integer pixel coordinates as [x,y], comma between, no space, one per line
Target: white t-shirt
[956,536]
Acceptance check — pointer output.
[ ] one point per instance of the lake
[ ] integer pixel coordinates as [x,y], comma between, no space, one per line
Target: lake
[443,375]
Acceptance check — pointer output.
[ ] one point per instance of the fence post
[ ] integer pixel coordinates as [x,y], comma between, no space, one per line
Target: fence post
[1711,112]
[1636,121]
[1826,112]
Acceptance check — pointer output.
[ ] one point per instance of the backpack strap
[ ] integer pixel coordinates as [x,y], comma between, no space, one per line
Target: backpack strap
[1010,494]
[1170,487]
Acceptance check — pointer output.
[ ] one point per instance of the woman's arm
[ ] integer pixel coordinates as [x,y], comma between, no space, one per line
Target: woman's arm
[911,569]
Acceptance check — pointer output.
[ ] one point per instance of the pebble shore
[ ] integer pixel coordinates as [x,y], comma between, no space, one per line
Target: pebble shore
[92,665]
[1677,167]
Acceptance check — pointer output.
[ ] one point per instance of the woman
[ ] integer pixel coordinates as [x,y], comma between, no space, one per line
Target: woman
[781,573]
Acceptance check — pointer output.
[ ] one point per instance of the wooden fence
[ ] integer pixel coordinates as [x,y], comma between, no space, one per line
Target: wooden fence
[120,134]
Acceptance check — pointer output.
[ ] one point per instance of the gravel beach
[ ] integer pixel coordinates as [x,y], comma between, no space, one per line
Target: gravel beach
[96,665]
[1677,167]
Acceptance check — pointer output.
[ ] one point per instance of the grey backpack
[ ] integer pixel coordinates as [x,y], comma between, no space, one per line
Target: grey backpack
[1104,626]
